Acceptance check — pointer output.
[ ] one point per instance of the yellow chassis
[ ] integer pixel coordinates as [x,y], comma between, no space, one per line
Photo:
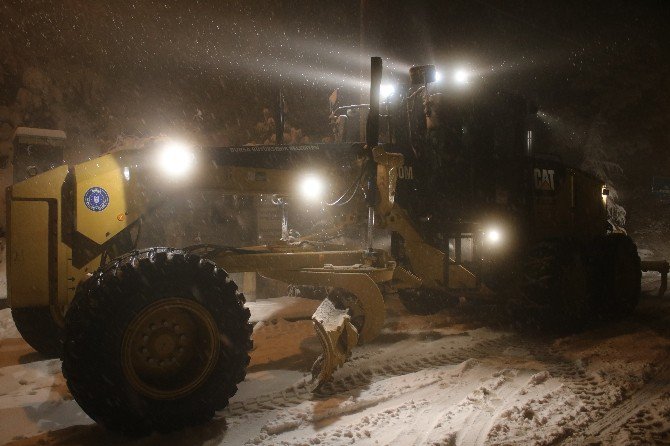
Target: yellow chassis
[53,238]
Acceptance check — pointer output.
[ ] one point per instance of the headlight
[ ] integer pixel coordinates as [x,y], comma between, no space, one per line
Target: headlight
[386,91]
[493,236]
[461,76]
[176,159]
[312,188]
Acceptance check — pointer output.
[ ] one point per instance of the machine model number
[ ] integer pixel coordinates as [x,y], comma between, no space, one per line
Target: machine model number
[406,173]
[96,199]
[544,179]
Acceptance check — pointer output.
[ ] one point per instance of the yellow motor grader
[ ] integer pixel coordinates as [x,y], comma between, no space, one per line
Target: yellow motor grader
[159,338]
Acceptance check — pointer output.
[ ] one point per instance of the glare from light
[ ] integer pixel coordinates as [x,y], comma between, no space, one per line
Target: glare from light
[312,188]
[386,91]
[438,76]
[176,159]
[461,76]
[493,236]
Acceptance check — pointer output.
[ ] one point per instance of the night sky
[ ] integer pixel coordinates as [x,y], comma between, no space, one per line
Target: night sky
[589,64]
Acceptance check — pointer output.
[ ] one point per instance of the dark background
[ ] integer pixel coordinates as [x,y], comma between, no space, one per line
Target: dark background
[105,71]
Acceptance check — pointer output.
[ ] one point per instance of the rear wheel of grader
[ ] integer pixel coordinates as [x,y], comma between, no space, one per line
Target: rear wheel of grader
[39,329]
[156,340]
[617,275]
[555,288]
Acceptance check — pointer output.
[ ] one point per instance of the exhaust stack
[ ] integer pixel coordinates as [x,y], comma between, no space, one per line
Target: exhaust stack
[372,127]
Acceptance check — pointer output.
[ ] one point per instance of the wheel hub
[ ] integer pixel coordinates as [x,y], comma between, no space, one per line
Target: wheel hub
[165,345]
[170,348]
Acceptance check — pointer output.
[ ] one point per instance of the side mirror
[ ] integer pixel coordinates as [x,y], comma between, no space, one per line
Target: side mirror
[422,74]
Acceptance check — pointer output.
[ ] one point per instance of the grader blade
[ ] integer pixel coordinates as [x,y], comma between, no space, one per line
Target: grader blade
[338,337]
[342,325]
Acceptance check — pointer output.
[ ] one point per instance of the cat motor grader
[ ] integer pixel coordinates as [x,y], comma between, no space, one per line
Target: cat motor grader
[158,338]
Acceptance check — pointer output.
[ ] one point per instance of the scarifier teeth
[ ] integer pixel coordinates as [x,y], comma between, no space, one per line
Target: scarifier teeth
[338,337]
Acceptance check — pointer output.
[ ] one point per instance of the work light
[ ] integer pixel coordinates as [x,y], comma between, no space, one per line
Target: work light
[311,188]
[176,159]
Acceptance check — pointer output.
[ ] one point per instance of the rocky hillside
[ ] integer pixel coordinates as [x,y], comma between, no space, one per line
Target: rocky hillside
[131,69]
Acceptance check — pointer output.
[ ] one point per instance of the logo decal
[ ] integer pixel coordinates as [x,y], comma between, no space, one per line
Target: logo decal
[96,199]
[544,179]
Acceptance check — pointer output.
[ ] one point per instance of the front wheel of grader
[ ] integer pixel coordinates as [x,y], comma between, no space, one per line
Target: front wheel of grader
[156,340]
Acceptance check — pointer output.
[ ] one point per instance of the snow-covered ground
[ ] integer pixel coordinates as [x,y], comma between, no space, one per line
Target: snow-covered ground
[447,379]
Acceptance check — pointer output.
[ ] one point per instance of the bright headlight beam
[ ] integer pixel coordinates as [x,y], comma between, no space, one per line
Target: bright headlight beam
[386,91]
[176,159]
[438,77]
[493,235]
[312,188]
[461,76]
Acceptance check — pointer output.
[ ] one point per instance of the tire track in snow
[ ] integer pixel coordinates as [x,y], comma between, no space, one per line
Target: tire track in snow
[611,413]
[594,393]
[590,391]
[352,377]
[620,414]
[477,429]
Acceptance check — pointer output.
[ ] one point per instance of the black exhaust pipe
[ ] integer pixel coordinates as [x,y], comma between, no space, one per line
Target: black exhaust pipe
[372,140]
[372,127]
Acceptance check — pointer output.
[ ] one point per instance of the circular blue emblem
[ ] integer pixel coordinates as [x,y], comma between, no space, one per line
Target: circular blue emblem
[96,199]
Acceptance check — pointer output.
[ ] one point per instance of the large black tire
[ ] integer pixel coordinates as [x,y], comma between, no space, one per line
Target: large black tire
[424,301]
[555,291]
[617,275]
[39,329]
[156,340]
